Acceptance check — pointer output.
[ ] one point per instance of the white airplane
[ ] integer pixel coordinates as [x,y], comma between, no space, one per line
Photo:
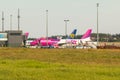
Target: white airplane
[84,42]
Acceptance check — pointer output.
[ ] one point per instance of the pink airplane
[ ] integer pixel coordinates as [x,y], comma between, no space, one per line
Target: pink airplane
[44,42]
[58,43]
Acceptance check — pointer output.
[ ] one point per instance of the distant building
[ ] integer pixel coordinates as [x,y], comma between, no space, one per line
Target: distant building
[3,39]
[12,38]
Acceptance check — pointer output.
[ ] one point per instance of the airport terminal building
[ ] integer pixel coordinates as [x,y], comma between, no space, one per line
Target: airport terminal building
[12,38]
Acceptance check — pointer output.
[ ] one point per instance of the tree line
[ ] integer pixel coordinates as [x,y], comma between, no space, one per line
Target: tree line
[103,37]
[106,37]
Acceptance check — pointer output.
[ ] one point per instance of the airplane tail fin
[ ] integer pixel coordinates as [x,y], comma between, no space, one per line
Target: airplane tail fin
[87,34]
[72,35]
[26,35]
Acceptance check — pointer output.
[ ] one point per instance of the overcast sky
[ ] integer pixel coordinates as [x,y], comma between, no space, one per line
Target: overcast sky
[81,13]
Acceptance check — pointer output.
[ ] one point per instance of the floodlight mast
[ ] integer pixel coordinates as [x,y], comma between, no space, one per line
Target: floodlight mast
[47,26]
[66,29]
[11,22]
[2,21]
[18,19]
[97,25]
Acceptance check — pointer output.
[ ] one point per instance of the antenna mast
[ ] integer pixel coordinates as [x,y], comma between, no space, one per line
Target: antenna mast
[11,22]
[18,19]
[2,21]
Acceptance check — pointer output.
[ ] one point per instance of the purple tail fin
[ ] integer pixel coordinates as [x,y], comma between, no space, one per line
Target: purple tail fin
[87,34]
[26,35]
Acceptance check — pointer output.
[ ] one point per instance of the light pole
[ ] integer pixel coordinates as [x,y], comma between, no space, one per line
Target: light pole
[47,26]
[97,25]
[66,27]
[18,19]
[2,21]
[10,22]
